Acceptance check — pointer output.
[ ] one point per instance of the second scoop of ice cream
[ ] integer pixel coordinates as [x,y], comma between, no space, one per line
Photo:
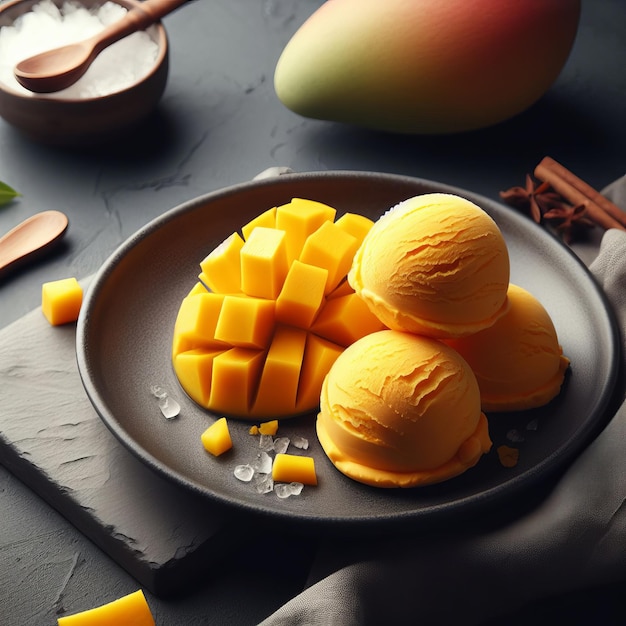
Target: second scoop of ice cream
[435,264]
[518,361]
[401,410]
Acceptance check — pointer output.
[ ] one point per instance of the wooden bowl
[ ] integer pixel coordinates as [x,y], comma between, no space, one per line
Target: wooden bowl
[83,121]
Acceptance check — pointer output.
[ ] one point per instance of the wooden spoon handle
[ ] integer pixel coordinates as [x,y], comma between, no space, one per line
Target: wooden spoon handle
[156,9]
[138,18]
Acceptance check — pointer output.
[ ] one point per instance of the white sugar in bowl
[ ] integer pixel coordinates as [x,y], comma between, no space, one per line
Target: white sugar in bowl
[121,88]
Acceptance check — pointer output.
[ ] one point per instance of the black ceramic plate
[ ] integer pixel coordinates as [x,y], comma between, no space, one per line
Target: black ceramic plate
[125,331]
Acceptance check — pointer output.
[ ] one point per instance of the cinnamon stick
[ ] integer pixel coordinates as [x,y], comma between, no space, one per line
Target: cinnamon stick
[600,209]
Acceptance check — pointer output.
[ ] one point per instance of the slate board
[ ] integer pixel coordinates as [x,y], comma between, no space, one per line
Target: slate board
[53,440]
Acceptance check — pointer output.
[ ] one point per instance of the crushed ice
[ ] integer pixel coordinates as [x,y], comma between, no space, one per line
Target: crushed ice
[258,471]
[302,443]
[244,473]
[285,490]
[158,391]
[515,435]
[266,442]
[169,407]
[281,444]
[263,463]
[263,483]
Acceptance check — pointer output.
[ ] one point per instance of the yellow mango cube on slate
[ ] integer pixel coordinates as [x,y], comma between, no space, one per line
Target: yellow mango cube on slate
[246,322]
[194,370]
[61,301]
[267,219]
[221,269]
[332,248]
[278,385]
[264,263]
[346,319]
[302,294]
[289,468]
[216,438]
[130,610]
[300,218]
[234,380]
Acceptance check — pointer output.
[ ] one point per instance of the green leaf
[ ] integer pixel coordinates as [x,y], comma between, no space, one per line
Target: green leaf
[7,193]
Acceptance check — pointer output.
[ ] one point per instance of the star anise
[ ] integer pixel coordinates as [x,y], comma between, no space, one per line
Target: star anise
[568,219]
[532,199]
[546,206]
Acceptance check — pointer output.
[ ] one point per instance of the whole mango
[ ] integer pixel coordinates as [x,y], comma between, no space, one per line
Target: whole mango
[425,66]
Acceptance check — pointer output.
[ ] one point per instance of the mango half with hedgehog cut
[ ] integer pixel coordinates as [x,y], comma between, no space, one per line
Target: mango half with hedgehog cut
[425,66]
[271,312]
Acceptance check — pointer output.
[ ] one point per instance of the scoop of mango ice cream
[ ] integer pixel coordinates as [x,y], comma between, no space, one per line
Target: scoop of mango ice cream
[401,410]
[518,361]
[436,265]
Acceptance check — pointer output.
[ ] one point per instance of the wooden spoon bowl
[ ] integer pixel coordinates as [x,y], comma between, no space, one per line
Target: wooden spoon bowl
[30,238]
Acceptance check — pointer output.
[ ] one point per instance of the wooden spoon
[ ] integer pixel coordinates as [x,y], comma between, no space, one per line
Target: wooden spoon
[59,68]
[32,235]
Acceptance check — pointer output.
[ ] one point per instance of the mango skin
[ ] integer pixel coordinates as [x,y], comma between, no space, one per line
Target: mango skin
[425,66]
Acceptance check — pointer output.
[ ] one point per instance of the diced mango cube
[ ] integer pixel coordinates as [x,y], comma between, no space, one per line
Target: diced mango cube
[278,386]
[61,301]
[199,287]
[299,218]
[130,610]
[216,438]
[342,289]
[356,225]
[332,248]
[345,319]
[194,370]
[246,322]
[319,356]
[302,295]
[264,263]
[289,468]
[265,428]
[221,269]
[508,456]
[196,322]
[235,378]
[267,219]
[268,428]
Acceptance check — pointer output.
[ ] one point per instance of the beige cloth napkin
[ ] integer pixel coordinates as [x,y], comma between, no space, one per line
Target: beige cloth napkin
[572,539]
